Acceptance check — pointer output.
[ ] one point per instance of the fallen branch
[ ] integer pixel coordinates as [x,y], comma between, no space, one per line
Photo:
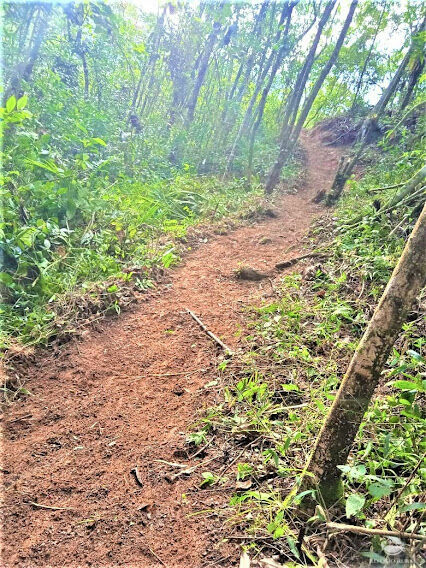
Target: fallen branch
[377,189]
[209,333]
[407,193]
[375,532]
[51,508]
[292,261]
[188,471]
[135,472]
[155,555]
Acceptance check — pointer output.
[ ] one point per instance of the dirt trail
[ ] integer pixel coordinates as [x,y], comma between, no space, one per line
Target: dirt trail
[124,397]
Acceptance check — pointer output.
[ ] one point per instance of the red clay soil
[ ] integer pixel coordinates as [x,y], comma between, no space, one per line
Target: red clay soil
[123,397]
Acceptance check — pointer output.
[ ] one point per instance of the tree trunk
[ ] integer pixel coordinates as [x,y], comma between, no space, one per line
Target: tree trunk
[347,165]
[85,74]
[294,101]
[323,75]
[229,111]
[341,425]
[24,70]
[367,59]
[211,40]
[289,141]
[262,74]
[283,52]
[415,74]
[144,89]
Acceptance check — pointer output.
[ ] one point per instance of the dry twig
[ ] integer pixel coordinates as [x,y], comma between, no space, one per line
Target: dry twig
[374,532]
[210,334]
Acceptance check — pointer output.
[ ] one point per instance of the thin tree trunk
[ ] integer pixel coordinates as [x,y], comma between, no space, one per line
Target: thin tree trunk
[347,164]
[250,61]
[24,70]
[154,56]
[211,40]
[341,425]
[262,103]
[367,59]
[288,143]
[285,13]
[415,74]
[292,106]
[85,74]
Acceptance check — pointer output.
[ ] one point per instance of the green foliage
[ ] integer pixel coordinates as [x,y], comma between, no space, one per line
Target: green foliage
[100,151]
[300,344]
[68,223]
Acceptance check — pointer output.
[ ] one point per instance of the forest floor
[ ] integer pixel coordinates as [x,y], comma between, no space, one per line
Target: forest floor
[123,397]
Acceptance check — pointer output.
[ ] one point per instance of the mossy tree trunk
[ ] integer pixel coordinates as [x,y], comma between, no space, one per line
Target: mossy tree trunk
[341,425]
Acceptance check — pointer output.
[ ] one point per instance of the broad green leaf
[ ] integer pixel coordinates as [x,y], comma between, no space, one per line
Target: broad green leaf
[11,103]
[208,478]
[415,355]
[299,497]
[290,387]
[26,237]
[22,102]
[279,532]
[378,490]
[406,385]
[374,556]
[413,507]
[354,504]
[292,545]
[6,279]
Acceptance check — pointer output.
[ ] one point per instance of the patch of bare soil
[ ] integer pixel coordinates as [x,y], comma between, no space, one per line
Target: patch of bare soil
[84,483]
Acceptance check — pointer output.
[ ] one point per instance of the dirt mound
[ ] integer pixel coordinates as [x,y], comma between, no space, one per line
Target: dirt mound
[338,131]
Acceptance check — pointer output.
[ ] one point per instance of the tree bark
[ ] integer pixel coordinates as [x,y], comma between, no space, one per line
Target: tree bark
[415,74]
[341,425]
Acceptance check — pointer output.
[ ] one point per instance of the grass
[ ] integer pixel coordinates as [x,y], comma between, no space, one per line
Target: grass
[277,392]
[132,229]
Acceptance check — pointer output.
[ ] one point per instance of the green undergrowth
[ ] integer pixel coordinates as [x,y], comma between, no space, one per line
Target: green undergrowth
[276,392]
[75,236]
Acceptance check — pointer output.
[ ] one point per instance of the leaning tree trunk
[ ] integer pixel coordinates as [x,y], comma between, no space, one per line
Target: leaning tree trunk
[415,75]
[341,425]
[347,165]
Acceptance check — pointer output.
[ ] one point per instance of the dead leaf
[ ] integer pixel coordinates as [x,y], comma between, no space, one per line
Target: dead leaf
[243,484]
